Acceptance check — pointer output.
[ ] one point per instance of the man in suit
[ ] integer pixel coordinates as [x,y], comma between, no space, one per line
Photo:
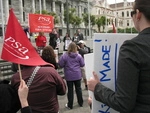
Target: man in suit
[80,35]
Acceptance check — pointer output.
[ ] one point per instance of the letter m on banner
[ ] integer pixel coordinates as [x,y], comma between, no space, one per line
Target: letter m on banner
[38,23]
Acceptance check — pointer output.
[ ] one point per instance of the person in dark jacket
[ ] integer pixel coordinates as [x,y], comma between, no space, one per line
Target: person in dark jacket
[80,35]
[11,101]
[53,38]
[132,93]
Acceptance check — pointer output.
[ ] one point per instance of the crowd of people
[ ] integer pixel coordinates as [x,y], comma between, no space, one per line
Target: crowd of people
[37,91]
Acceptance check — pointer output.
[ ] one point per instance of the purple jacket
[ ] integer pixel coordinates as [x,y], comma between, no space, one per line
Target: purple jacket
[72,64]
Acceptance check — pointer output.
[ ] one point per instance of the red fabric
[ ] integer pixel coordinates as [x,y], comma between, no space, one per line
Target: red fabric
[114,29]
[16,47]
[41,41]
[41,23]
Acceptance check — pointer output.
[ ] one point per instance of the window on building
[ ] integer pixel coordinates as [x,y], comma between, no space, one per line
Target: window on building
[24,16]
[127,22]
[85,10]
[9,2]
[127,13]
[60,8]
[99,12]
[122,14]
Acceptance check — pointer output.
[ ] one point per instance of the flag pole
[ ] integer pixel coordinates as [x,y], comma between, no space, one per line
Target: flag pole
[2,17]
[106,16]
[124,17]
[89,20]
[20,74]
[116,17]
[40,6]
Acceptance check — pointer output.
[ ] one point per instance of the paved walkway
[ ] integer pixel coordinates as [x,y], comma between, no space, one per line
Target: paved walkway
[76,108]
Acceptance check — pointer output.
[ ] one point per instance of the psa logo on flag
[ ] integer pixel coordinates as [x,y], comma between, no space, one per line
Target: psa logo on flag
[44,20]
[15,48]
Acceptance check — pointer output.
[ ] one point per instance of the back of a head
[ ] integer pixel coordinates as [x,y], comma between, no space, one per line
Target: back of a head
[144,7]
[9,100]
[72,48]
[48,54]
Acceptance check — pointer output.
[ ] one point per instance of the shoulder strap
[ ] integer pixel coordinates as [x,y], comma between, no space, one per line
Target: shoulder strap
[32,76]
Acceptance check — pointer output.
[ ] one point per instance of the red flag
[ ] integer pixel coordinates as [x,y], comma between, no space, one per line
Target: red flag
[114,29]
[38,22]
[16,47]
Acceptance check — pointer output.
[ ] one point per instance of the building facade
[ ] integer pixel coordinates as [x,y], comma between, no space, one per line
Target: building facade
[118,13]
[23,7]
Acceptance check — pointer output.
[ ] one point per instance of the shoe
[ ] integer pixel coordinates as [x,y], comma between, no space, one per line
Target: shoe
[67,106]
[81,105]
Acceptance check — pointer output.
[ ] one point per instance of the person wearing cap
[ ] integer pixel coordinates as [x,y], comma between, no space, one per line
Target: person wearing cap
[83,49]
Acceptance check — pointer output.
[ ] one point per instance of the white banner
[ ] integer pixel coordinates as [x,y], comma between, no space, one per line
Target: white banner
[106,49]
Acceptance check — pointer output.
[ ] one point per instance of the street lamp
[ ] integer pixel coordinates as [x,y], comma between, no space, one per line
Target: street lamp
[67,11]
[89,20]
[2,17]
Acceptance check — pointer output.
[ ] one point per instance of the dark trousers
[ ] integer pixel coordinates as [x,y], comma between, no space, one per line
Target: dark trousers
[70,94]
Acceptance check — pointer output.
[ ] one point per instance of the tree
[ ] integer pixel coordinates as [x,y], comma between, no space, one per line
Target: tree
[103,20]
[56,21]
[99,24]
[71,13]
[74,20]
[86,20]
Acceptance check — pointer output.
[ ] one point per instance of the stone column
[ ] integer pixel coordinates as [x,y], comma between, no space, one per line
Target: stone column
[54,7]
[21,11]
[80,10]
[33,6]
[44,4]
[6,5]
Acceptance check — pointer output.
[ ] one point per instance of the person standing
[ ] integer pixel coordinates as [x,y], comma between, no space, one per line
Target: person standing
[40,42]
[75,38]
[67,40]
[80,35]
[26,30]
[132,93]
[71,61]
[53,38]
[44,88]
[83,49]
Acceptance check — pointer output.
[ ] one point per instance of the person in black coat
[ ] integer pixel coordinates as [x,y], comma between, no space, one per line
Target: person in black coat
[10,102]
[53,38]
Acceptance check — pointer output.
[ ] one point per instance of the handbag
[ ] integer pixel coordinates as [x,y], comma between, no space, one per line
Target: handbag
[29,82]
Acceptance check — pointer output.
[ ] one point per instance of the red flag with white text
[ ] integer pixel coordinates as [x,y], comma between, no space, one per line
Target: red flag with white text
[16,46]
[39,22]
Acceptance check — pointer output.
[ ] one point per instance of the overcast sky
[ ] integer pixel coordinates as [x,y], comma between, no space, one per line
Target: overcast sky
[113,1]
